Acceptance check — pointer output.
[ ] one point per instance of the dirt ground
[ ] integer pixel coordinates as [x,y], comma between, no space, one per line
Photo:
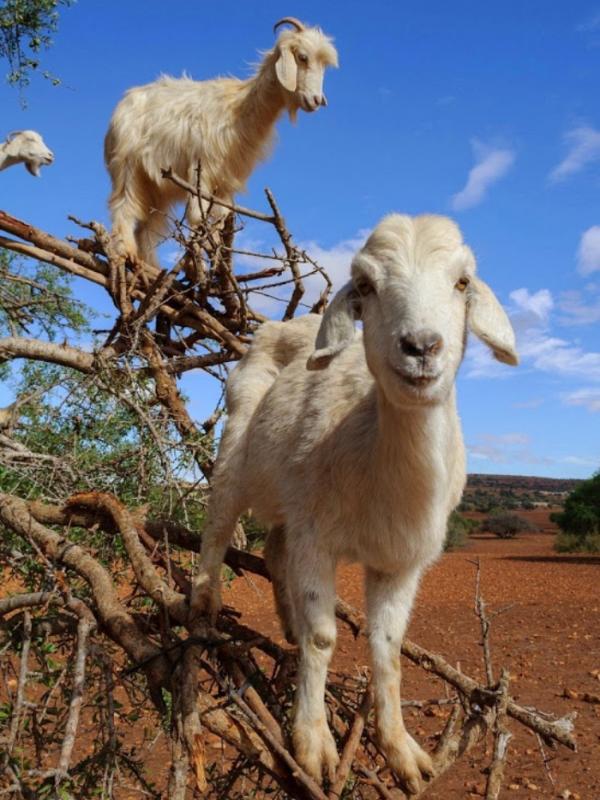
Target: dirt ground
[548,639]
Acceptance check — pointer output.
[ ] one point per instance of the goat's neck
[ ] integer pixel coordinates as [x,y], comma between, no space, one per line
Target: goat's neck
[413,443]
[262,101]
[6,160]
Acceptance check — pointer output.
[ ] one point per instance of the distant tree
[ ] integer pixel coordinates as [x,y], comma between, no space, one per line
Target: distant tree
[506,525]
[26,28]
[579,522]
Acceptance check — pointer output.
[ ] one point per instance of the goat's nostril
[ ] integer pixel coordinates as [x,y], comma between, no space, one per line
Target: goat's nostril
[423,343]
[410,347]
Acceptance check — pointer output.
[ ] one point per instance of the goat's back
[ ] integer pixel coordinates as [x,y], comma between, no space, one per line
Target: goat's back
[275,346]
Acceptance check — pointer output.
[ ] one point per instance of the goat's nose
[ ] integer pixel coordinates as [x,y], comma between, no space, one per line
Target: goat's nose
[423,343]
[319,100]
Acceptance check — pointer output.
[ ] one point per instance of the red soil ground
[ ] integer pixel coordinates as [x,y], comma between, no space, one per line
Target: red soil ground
[549,640]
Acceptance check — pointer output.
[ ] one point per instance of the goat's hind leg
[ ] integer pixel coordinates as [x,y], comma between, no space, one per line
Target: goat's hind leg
[311,577]
[275,559]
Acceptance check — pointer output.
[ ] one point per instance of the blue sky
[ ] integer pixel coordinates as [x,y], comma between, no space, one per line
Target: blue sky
[487,112]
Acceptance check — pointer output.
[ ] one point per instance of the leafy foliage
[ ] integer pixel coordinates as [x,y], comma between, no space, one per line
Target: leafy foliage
[26,28]
[580,520]
[37,299]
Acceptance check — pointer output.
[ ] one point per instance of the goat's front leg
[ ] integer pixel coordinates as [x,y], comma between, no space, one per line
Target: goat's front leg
[223,513]
[389,600]
[311,576]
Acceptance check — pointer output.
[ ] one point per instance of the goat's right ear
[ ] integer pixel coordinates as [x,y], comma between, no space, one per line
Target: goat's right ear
[337,327]
[286,68]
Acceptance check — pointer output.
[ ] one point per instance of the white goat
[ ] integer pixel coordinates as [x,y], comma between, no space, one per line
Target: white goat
[359,457]
[225,124]
[25,147]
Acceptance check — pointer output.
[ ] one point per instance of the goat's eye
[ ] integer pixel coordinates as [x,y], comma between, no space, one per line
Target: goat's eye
[364,287]
[461,284]
[302,58]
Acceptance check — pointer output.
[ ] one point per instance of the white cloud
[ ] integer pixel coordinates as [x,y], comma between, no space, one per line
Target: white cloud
[491,164]
[588,255]
[588,398]
[530,316]
[530,311]
[538,305]
[584,149]
[577,311]
[335,260]
[503,448]
[537,346]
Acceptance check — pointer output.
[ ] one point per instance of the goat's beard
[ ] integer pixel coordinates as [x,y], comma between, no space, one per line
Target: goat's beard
[33,168]
[292,108]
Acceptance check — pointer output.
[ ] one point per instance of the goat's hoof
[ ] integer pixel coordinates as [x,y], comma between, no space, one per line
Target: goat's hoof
[315,750]
[410,763]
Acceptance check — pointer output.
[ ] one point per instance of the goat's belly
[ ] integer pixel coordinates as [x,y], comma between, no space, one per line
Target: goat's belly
[394,549]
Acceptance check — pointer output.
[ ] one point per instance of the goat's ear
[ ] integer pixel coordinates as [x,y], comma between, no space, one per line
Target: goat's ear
[490,323]
[286,68]
[337,327]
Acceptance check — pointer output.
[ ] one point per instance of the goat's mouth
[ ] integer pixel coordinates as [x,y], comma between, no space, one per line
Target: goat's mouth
[417,381]
[308,105]
[34,167]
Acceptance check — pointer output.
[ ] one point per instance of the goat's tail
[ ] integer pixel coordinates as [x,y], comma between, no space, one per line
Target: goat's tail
[275,345]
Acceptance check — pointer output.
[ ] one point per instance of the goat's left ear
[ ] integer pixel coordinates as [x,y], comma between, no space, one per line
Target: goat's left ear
[337,327]
[286,68]
[490,323]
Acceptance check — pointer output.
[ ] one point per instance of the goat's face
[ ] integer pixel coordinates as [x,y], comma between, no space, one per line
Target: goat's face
[30,148]
[302,57]
[414,287]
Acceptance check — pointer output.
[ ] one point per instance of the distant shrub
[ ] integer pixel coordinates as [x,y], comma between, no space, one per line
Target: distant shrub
[458,530]
[569,543]
[579,522]
[507,525]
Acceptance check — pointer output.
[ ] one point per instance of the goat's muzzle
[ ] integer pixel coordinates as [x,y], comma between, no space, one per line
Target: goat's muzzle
[421,344]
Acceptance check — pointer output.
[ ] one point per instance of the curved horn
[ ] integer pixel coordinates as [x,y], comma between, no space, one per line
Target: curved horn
[290,21]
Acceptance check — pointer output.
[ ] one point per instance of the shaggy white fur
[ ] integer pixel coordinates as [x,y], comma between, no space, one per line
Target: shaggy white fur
[358,457]
[225,124]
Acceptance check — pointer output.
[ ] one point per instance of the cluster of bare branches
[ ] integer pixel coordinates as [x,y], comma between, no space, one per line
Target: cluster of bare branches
[232,682]
[102,669]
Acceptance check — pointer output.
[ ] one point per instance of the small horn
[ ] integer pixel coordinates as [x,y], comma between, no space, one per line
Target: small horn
[290,21]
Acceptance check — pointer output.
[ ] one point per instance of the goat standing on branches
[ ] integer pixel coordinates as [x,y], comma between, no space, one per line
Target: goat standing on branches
[225,124]
[359,457]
